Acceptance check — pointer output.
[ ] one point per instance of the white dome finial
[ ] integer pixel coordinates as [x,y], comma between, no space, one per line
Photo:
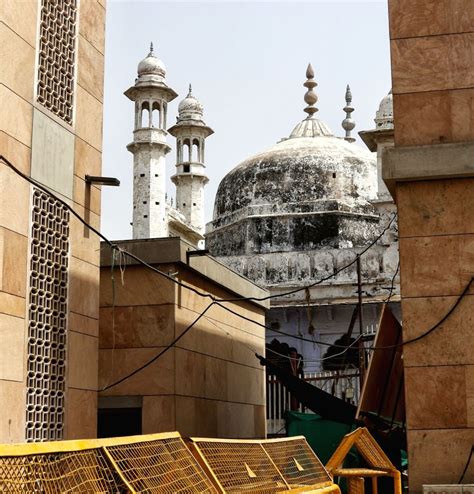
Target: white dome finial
[190,107]
[151,65]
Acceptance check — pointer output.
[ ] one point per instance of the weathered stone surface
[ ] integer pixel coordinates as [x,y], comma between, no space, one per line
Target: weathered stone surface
[296,171]
[301,211]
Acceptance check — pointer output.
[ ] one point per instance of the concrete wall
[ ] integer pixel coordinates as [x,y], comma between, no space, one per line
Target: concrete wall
[58,155]
[433,86]
[210,383]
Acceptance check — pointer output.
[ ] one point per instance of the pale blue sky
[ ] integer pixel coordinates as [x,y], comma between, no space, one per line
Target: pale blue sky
[246,61]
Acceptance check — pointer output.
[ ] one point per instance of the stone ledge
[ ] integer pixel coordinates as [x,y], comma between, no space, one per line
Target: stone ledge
[431,162]
[170,250]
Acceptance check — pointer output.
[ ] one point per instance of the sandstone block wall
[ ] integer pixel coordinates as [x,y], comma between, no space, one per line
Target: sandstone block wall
[433,86]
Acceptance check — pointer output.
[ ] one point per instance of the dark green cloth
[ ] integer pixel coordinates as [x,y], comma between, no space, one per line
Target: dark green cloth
[323,435]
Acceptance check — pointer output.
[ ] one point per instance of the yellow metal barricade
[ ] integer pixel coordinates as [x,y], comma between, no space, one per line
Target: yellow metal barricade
[262,466]
[156,463]
[165,464]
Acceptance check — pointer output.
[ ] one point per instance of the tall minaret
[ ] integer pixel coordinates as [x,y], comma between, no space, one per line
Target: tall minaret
[190,132]
[151,96]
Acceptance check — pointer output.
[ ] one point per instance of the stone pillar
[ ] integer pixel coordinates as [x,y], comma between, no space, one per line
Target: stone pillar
[149,190]
[430,172]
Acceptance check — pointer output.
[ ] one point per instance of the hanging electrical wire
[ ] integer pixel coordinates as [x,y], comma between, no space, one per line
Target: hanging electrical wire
[392,285]
[172,278]
[158,355]
[220,302]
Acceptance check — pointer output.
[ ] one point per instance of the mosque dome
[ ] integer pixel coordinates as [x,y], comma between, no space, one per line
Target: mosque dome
[151,65]
[384,115]
[190,107]
[296,171]
[298,194]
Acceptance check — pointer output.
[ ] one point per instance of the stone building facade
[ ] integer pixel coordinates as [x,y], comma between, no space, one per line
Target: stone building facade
[297,213]
[51,95]
[209,383]
[430,172]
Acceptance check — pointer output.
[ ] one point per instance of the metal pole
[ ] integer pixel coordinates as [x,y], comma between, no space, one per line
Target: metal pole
[361,345]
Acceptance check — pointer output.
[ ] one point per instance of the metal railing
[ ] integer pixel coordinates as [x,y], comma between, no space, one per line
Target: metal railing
[342,384]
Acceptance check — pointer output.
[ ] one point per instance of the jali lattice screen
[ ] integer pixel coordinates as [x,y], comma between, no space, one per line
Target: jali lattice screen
[57,54]
[48,286]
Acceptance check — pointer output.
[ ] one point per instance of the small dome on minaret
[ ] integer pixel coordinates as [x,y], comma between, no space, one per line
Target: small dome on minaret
[190,108]
[151,65]
[384,115]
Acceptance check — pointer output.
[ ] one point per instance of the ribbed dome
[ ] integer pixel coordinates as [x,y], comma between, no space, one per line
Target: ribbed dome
[151,65]
[299,170]
[311,127]
[190,107]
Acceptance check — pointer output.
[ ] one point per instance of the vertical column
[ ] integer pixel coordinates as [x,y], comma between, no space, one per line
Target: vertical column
[432,107]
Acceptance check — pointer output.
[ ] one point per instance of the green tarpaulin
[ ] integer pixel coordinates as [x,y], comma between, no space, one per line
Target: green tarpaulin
[322,435]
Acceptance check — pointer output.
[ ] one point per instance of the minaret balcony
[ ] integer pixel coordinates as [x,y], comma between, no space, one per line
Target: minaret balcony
[192,167]
[150,135]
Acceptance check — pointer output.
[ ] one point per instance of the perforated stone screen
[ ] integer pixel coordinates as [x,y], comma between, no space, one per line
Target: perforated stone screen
[48,285]
[57,54]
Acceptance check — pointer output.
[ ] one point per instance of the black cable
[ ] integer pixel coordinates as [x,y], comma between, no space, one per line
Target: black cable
[388,347]
[322,280]
[242,299]
[467,465]
[407,342]
[47,191]
[157,356]
[256,299]
[184,285]
[433,328]
[392,286]
[171,278]
[100,235]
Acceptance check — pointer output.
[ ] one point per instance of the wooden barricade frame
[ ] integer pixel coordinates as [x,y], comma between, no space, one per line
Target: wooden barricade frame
[379,463]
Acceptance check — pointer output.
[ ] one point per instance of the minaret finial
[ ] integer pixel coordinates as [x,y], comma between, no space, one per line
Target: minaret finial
[151,49]
[348,123]
[190,90]
[310,97]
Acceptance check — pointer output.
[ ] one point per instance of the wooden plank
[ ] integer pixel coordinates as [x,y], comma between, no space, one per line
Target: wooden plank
[382,393]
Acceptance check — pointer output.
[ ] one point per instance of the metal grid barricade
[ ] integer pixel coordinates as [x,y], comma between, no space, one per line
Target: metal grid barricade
[165,466]
[70,472]
[297,462]
[152,464]
[47,313]
[161,464]
[263,466]
[57,54]
[240,466]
